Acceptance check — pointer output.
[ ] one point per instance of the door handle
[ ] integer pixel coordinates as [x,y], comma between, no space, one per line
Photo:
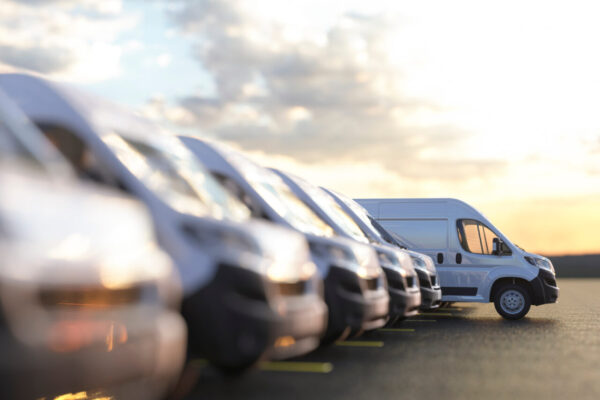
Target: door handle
[440,258]
[458,258]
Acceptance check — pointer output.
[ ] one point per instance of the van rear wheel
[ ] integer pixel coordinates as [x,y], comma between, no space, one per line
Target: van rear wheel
[512,301]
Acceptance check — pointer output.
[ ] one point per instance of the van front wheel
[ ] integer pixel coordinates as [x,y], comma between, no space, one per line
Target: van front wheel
[512,301]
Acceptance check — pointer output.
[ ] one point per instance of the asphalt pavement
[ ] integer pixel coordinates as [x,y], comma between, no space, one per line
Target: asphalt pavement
[463,352]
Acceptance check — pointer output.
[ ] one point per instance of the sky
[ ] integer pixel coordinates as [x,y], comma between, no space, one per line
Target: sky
[493,103]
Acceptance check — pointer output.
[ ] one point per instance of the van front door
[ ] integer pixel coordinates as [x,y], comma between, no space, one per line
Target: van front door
[471,258]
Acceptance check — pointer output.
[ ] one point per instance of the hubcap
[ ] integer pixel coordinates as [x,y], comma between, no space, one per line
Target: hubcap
[512,301]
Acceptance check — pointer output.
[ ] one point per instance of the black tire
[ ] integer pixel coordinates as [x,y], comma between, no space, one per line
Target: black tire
[234,370]
[356,333]
[393,320]
[332,337]
[512,301]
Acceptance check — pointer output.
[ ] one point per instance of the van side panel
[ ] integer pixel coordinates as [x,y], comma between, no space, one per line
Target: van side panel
[413,209]
[426,234]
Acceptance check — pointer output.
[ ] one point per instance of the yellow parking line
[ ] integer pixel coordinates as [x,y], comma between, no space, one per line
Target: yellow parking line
[296,366]
[420,320]
[198,362]
[359,343]
[437,314]
[395,330]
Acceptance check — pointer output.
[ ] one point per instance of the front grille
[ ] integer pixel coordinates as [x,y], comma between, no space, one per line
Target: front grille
[292,289]
[423,278]
[371,283]
[410,281]
[551,281]
[395,280]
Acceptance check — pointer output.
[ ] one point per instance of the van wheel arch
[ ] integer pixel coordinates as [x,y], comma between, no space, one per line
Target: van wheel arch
[516,281]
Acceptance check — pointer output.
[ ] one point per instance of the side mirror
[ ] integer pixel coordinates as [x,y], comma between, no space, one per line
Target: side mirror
[497,247]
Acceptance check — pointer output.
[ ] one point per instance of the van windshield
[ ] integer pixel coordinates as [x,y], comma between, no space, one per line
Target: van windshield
[168,169]
[374,229]
[400,240]
[333,210]
[278,195]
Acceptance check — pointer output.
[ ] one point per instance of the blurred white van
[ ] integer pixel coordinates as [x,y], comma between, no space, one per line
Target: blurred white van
[475,261]
[88,301]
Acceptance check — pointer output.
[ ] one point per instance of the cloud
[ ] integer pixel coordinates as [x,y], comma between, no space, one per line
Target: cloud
[104,7]
[44,60]
[70,40]
[163,60]
[314,95]
[158,109]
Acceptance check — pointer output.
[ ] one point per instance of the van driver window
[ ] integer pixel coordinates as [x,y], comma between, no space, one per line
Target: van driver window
[475,237]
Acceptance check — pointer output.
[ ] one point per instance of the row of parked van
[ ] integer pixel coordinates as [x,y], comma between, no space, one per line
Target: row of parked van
[172,247]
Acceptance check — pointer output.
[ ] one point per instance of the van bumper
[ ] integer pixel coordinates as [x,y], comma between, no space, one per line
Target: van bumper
[352,303]
[404,301]
[145,357]
[299,326]
[544,288]
[431,297]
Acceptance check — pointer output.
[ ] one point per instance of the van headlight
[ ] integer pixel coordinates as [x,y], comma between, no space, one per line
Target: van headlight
[425,263]
[291,273]
[419,263]
[541,263]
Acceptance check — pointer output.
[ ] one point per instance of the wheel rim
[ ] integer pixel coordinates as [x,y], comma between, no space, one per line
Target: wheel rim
[512,301]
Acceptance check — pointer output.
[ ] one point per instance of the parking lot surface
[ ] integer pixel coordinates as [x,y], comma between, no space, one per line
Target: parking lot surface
[463,352]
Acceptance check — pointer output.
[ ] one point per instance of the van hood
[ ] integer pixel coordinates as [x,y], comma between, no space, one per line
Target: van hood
[395,258]
[66,233]
[276,252]
[345,253]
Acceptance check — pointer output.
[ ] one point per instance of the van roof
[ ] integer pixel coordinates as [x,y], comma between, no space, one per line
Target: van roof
[45,101]
[417,207]
[211,153]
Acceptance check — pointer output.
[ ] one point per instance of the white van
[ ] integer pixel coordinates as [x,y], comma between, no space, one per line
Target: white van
[475,261]
[250,289]
[88,301]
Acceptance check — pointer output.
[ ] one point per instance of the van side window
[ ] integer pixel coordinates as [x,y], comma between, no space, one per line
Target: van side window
[475,237]
[75,151]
